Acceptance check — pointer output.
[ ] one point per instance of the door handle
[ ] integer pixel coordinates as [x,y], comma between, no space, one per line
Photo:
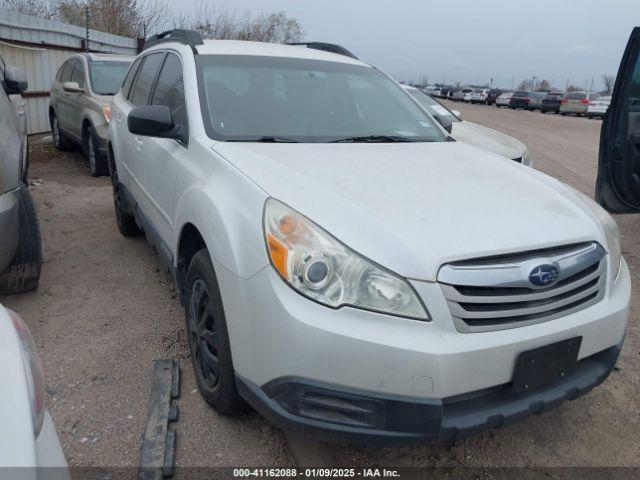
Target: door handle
[139,142]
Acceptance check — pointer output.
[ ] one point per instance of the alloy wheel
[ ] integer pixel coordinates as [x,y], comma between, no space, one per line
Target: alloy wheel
[203,335]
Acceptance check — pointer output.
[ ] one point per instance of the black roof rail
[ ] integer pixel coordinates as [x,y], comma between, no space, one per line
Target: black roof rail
[186,37]
[327,47]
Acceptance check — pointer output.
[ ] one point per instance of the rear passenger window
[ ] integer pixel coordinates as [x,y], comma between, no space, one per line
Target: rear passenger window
[128,80]
[169,89]
[140,93]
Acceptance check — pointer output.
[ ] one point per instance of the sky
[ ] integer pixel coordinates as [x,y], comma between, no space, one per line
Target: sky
[467,41]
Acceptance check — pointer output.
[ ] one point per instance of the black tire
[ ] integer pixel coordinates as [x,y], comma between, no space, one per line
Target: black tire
[126,222]
[23,275]
[208,338]
[564,114]
[97,161]
[59,140]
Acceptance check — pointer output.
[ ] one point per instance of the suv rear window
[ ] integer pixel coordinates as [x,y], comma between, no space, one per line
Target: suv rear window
[576,96]
[522,94]
[144,80]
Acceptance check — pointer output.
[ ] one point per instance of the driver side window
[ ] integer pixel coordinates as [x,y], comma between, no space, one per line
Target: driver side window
[169,91]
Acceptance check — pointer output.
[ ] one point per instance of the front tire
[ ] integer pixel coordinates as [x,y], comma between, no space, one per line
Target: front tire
[23,275]
[126,222]
[208,338]
[97,161]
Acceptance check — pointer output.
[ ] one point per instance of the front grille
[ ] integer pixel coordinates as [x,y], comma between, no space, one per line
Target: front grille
[495,293]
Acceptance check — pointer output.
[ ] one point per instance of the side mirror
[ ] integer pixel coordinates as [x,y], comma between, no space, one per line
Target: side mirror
[72,87]
[15,80]
[446,121]
[456,113]
[153,121]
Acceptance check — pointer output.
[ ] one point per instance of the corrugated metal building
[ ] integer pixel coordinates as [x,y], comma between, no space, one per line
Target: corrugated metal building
[40,46]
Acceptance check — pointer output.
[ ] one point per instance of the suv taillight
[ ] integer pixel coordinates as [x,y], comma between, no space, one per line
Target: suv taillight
[584,101]
[33,371]
[564,101]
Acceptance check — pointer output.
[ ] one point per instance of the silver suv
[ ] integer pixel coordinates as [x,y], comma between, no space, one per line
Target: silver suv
[80,97]
[20,247]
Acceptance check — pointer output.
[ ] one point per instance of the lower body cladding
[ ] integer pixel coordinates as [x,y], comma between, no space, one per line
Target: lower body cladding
[363,377]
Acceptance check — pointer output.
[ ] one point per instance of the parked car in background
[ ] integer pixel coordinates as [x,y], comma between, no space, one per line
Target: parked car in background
[80,108]
[483,292]
[473,133]
[551,102]
[461,94]
[504,99]
[467,96]
[479,95]
[20,243]
[598,107]
[576,103]
[493,95]
[444,91]
[28,439]
[520,99]
[535,102]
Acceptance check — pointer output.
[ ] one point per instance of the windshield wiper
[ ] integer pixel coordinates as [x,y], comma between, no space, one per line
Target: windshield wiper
[265,139]
[377,139]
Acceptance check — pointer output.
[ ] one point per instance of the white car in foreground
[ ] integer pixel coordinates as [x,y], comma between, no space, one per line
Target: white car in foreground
[473,133]
[346,266]
[28,437]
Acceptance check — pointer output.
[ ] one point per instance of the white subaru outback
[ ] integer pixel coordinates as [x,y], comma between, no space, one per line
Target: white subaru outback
[346,267]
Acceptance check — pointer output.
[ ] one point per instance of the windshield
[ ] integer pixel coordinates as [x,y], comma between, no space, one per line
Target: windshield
[106,77]
[430,105]
[522,94]
[259,98]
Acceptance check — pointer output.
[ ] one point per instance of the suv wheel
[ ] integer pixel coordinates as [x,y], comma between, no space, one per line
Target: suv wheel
[23,275]
[59,140]
[208,338]
[97,161]
[126,222]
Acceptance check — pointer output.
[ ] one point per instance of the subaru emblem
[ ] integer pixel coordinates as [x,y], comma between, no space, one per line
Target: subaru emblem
[544,275]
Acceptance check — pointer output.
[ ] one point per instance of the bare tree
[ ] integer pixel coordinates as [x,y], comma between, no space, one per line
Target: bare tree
[130,18]
[543,86]
[609,82]
[524,85]
[223,24]
[37,8]
[573,88]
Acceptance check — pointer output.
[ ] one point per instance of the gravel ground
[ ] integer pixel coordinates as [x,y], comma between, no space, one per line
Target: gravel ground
[105,311]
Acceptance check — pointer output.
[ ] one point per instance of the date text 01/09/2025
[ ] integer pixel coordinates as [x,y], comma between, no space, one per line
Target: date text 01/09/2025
[315,473]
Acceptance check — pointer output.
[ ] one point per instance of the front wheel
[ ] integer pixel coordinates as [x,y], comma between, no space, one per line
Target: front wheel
[208,338]
[97,161]
[126,222]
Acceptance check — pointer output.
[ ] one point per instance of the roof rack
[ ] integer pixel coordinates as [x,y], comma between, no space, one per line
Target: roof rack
[186,37]
[326,47]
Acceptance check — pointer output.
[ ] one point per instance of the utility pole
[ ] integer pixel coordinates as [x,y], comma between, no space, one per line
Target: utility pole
[86,21]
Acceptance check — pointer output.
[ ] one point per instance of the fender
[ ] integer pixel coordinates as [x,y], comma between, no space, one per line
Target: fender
[208,197]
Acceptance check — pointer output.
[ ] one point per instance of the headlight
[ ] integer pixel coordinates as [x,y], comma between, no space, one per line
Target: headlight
[527,159]
[611,231]
[320,267]
[33,371]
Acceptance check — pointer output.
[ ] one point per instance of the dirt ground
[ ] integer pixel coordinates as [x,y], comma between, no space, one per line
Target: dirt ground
[105,311]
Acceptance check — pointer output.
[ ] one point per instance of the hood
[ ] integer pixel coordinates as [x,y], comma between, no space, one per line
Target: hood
[488,139]
[412,207]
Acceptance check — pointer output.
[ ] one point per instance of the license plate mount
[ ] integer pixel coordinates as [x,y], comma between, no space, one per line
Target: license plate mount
[544,365]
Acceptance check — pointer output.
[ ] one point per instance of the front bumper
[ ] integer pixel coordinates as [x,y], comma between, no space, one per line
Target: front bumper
[9,226]
[102,133]
[325,412]
[278,335]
